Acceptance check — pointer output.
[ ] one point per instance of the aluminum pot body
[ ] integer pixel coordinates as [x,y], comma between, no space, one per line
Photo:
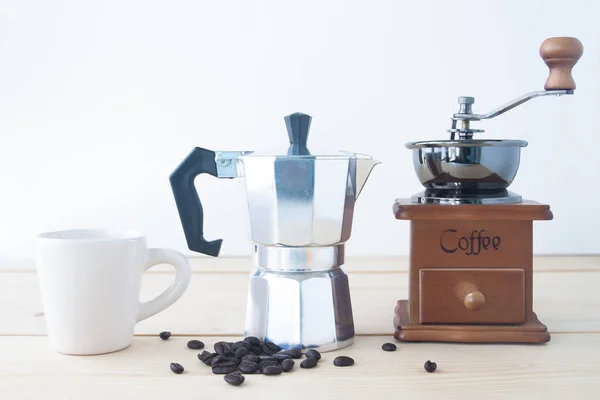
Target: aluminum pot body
[302,202]
[297,197]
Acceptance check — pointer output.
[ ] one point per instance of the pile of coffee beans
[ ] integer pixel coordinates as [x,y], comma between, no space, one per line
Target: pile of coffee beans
[251,355]
[254,356]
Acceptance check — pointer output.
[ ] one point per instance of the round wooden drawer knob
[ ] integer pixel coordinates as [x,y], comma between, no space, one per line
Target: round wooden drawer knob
[474,301]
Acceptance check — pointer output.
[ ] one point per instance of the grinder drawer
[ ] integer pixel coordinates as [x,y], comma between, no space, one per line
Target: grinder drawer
[472,296]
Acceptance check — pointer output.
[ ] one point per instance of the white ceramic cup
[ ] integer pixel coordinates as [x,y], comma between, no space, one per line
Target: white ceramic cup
[90,283]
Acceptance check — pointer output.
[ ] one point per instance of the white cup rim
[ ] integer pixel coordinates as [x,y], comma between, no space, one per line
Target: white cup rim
[91,235]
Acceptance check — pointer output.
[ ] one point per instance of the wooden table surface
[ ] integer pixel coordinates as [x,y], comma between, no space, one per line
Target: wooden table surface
[566,299]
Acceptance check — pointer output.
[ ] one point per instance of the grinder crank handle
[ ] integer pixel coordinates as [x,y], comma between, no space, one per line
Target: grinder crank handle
[560,55]
[188,203]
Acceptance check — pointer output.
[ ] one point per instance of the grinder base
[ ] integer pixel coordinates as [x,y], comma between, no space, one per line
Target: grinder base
[533,331]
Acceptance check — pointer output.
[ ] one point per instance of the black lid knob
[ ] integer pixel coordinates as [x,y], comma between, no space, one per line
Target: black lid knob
[298,125]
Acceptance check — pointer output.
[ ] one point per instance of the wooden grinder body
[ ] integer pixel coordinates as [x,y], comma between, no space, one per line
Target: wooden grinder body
[471,273]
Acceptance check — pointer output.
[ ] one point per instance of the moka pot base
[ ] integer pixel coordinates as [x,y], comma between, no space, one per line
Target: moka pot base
[471,273]
[299,297]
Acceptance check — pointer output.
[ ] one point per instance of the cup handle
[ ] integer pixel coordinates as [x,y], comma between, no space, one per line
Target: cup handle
[174,292]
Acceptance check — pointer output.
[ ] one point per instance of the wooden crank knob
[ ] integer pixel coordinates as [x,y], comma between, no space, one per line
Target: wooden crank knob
[560,55]
[474,301]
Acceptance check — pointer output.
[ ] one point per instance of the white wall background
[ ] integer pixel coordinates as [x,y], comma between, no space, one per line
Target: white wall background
[100,101]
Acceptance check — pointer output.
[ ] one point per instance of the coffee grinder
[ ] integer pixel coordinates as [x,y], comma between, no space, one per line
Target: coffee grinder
[471,252]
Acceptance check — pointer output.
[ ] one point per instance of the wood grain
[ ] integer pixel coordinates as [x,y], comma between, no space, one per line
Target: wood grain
[443,292]
[527,210]
[566,297]
[560,55]
[515,251]
[215,303]
[531,331]
[357,265]
[568,367]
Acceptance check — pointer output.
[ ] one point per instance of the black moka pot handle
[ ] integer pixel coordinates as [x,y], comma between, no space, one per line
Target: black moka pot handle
[199,161]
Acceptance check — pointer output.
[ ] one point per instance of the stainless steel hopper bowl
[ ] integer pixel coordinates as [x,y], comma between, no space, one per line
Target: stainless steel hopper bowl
[466,164]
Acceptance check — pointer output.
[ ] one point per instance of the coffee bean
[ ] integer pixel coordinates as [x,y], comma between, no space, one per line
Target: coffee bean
[176,368]
[240,344]
[241,352]
[252,340]
[222,347]
[251,358]
[234,378]
[224,369]
[256,350]
[223,365]
[430,366]
[219,359]
[343,361]
[195,344]
[295,353]
[272,370]
[267,363]
[287,365]
[269,348]
[312,353]
[270,358]
[308,363]
[248,367]
[206,357]
[282,356]
[165,335]
[389,347]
